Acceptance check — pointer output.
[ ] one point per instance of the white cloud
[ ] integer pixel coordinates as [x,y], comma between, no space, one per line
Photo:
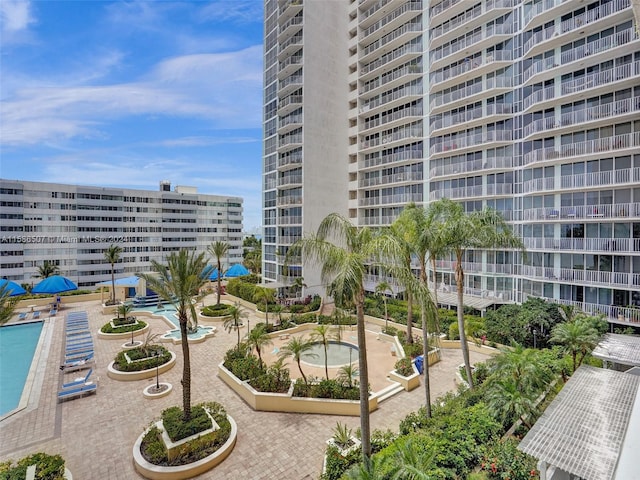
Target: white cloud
[223,89]
[239,11]
[15,15]
[206,141]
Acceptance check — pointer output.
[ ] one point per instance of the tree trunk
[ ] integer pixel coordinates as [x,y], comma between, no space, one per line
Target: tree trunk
[219,282]
[435,285]
[409,317]
[186,370]
[365,425]
[463,337]
[425,342]
[326,359]
[113,284]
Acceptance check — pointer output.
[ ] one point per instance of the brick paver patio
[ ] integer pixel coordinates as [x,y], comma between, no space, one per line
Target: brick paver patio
[95,434]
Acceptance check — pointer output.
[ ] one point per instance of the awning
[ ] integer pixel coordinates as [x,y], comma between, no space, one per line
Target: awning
[479,303]
[620,349]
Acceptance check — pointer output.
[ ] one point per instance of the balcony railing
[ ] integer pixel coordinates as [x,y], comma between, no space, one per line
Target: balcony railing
[393,116]
[412,68]
[295,40]
[468,41]
[289,3]
[582,212]
[403,134]
[605,144]
[583,277]
[538,8]
[290,139]
[442,6]
[390,97]
[286,160]
[617,313]
[584,244]
[371,10]
[467,167]
[478,87]
[289,200]
[390,199]
[290,180]
[470,141]
[381,42]
[621,72]
[291,22]
[391,56]
[542,95]
[292,80]
[469,65]
[461,192]
[448,119]
[292,60]
[413,154]
[581,116]
[290,220]
[610,177]
[470,15]
[413,6]
[290,119]
[600,45]
[389,179]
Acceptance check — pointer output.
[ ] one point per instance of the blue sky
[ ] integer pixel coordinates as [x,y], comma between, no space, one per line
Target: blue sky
[129,93]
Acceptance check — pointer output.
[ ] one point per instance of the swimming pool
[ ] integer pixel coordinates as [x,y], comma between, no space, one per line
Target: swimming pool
[17,347]
[168,312]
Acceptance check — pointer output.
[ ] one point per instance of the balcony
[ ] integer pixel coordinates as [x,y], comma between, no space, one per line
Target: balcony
[290,27]
[583,277]
[403,177]
[290,46]
[288,9]
[447,122]
[589,147]
[289,200]
[410,133]
[470,19]
[391,199]
[584,212]
[475,65]
[465,95]
[387,119]
[591,49]
[291,160]
[289,84]
[290,141]
[470,141]
[370,11]
[388,79]
[392,40]
[405,93]
[290,180]
[446,9]
[397,17]
[493,163]
[288,239]
[497,189]
[600,114]
[542,95]
[606,245]
[536,10]
[538,41]
[290,220]
[289,66]
[598,179]
[398,157]
[288,123]
[461,192]
[289,104]
[605,77]
[412,49]
[383,220]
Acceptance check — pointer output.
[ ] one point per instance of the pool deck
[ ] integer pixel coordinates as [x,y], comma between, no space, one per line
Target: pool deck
[95,434]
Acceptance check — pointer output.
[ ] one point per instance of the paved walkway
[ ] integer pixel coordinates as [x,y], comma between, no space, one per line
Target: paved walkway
[95,434]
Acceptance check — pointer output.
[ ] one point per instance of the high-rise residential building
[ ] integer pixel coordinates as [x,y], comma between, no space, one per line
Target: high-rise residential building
[531,107]
[71,226]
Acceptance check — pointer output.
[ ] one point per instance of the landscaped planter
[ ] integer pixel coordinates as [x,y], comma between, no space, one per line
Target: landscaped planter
[166,390]
[156,472]
[120,336]
[285,402]
[142,374]
[408,383]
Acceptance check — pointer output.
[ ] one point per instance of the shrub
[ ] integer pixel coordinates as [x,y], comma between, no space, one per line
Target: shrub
[215,310]
[404,367]
[119,322]
[177,428]
[326,389]
[145,357]
[504,460]
[275,380]
[243,364]
[414,349]
[49,467]
[107,328]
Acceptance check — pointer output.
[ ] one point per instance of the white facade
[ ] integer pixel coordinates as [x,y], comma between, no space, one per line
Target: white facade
[531,107]
[72,226]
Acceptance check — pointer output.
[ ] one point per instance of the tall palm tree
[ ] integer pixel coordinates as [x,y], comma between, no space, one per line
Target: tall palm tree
[177,283]
[7,303]
[576,337]
[381,289]
[524,366]
[47,269]
[508,401]
[112,255]
[321,334]
[258,338]
[218,250]
[296,348]
[267,296]
[297,285]
[233,319]
[342,251]
[462,231]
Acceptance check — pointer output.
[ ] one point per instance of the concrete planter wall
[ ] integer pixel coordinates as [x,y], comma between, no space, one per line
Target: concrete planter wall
[285,402]
[122,336]
[41,302]
[408,383]
[142,374]
[156,472]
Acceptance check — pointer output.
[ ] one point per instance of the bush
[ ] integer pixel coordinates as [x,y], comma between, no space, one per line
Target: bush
[243,364]
[145,356]
[107,328]
[504,460]
[216,310]
[331,388]
[414,349]
[154,451]
[49,467]
[177,428]
[404,367]
[119,322]
[275,380]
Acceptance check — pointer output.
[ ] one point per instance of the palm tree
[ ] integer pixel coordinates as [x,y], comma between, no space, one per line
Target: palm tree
[233,319]
[124,310]
[381,289]
[267,296]
[462,231]
[218,250]
[524,366]
[297,285]
[347,373]
[343,267]
[320,334]
[112,255]
[7,304]
[296,348]
[258,338]
[412,461]
[576,337]
[177,283]
[507,400]
[253,261]
[47,269]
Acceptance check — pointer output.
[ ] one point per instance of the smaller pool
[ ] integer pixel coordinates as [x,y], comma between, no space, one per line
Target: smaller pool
[338,354]
[200,334]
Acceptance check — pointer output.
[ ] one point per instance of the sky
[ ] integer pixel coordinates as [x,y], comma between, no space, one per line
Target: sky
[129,93]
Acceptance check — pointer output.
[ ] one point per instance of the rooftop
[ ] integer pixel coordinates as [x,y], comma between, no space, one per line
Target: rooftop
[621,349]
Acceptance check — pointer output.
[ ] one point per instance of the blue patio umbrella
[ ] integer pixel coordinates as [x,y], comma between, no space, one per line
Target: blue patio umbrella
[12,287]
[214,275]
[54,284]
[238,270]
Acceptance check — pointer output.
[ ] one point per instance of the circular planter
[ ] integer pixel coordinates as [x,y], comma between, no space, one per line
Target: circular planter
[148,391]
[128,346]
[120,336]
[156,472]
[142,374]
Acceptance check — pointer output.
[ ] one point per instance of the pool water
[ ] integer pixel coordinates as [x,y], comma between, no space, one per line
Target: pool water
[17,347]
[169,312]
[338,354]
